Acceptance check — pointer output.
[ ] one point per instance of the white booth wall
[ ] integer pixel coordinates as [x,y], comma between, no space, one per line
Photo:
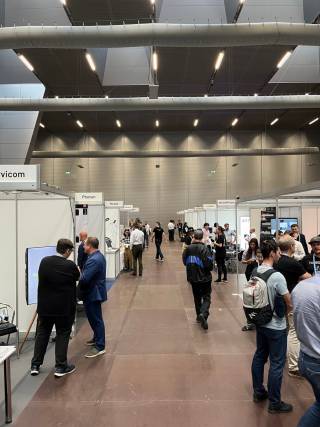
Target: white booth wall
[211,216]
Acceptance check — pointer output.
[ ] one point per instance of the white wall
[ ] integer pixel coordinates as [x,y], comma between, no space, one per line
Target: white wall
[310,222]
[112,229]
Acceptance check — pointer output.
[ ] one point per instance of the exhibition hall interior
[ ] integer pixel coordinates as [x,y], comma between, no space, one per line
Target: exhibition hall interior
[160,213]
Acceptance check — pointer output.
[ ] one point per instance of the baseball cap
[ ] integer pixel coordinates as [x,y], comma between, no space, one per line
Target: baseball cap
[314,240]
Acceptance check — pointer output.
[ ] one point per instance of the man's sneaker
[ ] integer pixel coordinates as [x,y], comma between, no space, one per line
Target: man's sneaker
[203,321]
[94,352]
[61,372]
[217,281]
[295,374]
[282,408]
[91,342]
[35,370]
[225,280]
[161,260]
[260,397]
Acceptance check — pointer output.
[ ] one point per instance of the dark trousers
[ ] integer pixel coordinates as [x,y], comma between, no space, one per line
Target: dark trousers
[159,252]
[249,269]
[45,324]
[202,298]
[271,344]
[137,251]
[171,235]
[310,369]
[146,240]
[95,319]
[221,268]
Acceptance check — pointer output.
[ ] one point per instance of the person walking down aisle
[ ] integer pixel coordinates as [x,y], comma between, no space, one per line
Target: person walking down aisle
[93,292]
[158,235]
[271,337]
[137,244]
[180,228]
[171,230]
[127,258]
[56,306]
[199,263]
[306,303]
[82,256]
[220,247]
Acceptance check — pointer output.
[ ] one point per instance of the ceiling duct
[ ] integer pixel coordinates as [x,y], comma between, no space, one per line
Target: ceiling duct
[210,103]
[160,34]
[236,152]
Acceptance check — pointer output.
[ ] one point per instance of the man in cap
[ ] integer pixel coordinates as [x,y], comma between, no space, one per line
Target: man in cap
[311,262]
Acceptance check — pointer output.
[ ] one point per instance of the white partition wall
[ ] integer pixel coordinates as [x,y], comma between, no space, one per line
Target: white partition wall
[211,216]
[112,226]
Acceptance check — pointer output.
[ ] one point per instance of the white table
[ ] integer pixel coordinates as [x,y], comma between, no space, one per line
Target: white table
[5,353]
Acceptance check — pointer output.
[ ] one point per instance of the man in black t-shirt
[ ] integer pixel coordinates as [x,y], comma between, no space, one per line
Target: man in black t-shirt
[158,234]
[293,272]
[311,262]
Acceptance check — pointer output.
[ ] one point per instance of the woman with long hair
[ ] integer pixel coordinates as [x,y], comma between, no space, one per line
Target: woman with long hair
[249,257]
[220,247]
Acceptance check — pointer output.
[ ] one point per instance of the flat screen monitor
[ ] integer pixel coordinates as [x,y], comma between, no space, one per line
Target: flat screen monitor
[284,224]
[33,259]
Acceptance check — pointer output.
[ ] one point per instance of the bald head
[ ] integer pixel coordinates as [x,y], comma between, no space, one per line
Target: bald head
[83,236]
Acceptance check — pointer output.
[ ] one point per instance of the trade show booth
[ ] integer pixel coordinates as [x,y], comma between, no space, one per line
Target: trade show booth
[112,237]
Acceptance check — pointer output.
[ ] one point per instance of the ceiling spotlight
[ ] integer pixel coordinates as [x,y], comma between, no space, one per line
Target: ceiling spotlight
[42,125]
[106,96]
[206,95]
[79,124]
[118,123]
[57,96]
[241,1]
[90,61]
[307,93]
[234,122]
[314,121]
[274,121]
[26,62]
[285,57]
[219,60]
[157,123]
[155,61]
[67,172]
[196,122]
[255,94]
[64,2]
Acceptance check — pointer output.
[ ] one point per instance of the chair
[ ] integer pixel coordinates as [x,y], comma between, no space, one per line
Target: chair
[7,327]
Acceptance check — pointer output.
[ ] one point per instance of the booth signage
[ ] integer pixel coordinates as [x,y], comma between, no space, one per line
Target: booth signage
[135,210]
[19,177]
[89,198]
[114,204]
[226,203]
[198,208]
[128,207]
[208,206]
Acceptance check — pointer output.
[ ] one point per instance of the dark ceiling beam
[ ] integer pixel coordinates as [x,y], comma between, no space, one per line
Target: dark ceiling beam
[158,34]
[163,104]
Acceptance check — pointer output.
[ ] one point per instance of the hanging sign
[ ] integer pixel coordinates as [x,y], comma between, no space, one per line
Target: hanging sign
[208,206]
[114,204]
[19,177]
[89,198]
[226,203]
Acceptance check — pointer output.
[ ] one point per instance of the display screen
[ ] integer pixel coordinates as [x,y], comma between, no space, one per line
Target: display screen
[33,259]
[284,224]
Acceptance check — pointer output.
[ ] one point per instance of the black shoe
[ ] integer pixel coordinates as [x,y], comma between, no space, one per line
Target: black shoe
[198,319]
[35,370]
[61,372]
[260,397]
[250,327]
[134,274]
[217,281]
[203,321]
[281,408]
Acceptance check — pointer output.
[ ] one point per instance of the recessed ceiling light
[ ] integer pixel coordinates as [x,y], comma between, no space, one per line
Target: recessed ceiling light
[79,124]
[219,60]
[314,121]
[67,172]
[118,123]
[255,94]
[26,62]
[90,61]
[42,125]
[196,122]
[274,121]
[157,123]
[106,96]
[285,57]
[206,95]
[155,61]
[57,96]
[307,93]
[234,122]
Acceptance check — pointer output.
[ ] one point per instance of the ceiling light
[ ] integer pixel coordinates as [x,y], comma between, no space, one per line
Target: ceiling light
[274,121]
[106,96]
[307,93]
[241,1]
[57,96]
[157,123]
[79,124]
[206,95]
[90,61]
[234,122]
[26,62]
[153,1]
[42,125]
[155,61]
[196,122]
[284,59]
[118,123]
[68,173]
[255,94]
[314,121]
[64,2]
[219,60]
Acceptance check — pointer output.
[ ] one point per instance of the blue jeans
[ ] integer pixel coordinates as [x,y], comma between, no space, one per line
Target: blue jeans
[159,253]
[310,369]
[271,344]
[95,319]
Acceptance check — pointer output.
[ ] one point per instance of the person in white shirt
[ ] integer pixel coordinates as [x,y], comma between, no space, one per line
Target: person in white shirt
[171,228]
[206,234]
[136,244]
[230,234]
[299,252]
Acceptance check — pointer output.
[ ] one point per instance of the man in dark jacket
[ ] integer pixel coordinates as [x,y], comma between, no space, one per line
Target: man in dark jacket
[299,237]
[56,306]
[199,264]
[82,256]
[93,291]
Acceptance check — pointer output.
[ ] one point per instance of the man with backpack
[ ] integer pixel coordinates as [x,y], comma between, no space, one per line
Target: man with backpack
[265,298]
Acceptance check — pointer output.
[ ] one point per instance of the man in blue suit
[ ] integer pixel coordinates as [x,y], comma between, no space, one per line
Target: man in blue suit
[93,292]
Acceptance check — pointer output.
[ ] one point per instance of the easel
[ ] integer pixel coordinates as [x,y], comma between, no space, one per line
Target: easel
[28,331]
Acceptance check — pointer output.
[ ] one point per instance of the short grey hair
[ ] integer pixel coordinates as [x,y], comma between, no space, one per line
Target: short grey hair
[198,235]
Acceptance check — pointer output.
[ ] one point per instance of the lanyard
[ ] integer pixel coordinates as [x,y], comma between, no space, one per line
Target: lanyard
[316,272]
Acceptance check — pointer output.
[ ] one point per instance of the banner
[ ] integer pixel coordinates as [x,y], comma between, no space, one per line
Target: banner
[19,177]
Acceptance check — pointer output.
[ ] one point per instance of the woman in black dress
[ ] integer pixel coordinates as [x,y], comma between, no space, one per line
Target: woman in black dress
[220,247]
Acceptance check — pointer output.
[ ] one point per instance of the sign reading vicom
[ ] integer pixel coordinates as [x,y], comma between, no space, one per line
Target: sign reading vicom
[114,204]
[89,198]
[19,177]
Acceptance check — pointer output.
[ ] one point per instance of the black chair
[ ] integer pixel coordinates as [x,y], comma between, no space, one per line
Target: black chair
[7,326]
